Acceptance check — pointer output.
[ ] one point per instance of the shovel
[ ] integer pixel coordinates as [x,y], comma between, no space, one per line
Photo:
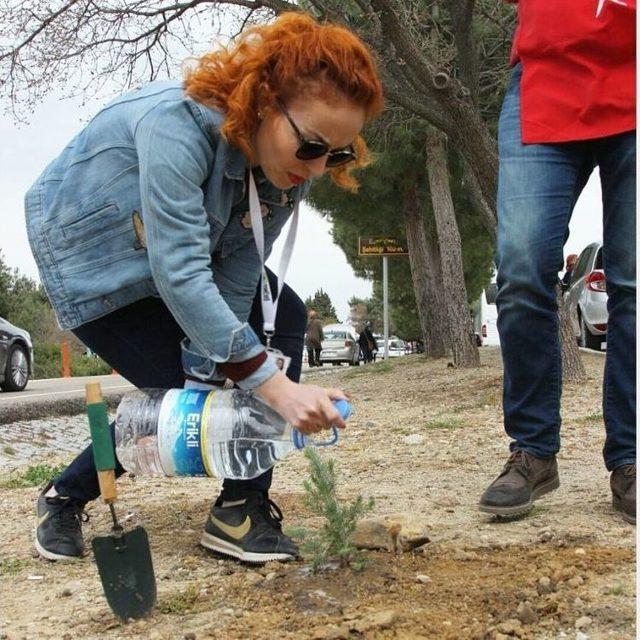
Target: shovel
[123,559]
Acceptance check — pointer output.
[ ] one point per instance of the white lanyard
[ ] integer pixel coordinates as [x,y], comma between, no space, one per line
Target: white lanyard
[269,305]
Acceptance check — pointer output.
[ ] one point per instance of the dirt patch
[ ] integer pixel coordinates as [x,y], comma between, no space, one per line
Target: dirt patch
[426,440]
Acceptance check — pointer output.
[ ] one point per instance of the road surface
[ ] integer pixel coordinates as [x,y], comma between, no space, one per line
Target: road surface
[61,389]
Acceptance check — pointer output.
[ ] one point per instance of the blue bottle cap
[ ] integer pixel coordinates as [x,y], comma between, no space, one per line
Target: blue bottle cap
[343,407]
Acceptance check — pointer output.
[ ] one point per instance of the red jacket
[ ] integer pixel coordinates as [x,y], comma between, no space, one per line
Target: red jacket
[578,68]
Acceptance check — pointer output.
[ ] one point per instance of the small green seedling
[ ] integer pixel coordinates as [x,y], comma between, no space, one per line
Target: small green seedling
[333,541]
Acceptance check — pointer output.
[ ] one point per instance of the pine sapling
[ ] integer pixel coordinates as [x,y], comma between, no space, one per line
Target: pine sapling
[333,540]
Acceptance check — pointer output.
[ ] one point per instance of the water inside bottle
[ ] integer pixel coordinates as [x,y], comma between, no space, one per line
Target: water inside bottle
[246,437]
[136,424]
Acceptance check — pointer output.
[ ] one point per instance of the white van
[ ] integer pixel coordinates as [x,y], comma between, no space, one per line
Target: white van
[485,320]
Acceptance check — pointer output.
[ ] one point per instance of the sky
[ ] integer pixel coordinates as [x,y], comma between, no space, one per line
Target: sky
[316,262]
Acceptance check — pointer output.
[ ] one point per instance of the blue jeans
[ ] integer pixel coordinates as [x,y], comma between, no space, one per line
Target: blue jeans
[142,343]
[538,186]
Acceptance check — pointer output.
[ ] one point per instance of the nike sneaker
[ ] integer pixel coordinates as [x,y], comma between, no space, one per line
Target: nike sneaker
[59,527]
[248,529]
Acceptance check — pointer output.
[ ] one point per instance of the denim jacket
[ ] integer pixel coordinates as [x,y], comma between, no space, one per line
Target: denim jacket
[147,201]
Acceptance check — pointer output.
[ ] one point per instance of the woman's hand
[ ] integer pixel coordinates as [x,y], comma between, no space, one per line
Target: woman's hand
[307,408]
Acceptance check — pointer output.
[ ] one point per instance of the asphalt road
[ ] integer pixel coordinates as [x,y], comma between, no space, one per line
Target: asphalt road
[61,389]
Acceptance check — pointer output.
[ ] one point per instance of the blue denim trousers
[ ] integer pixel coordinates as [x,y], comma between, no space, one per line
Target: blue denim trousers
[142,342]
[538,186]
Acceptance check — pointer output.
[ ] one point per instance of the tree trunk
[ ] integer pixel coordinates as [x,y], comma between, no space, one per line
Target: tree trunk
[572,365]
[442,339]
[426,280]
[463,344]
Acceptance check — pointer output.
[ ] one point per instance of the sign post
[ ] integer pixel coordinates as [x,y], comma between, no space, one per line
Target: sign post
[385,303]
[384,246]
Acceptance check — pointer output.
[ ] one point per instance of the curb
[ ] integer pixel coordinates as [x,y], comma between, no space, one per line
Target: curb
[52,408]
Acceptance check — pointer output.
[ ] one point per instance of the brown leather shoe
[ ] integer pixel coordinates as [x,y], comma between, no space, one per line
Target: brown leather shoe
[524,479]
[623,491]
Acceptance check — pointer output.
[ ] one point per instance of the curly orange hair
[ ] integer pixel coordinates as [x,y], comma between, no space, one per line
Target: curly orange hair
[278,60]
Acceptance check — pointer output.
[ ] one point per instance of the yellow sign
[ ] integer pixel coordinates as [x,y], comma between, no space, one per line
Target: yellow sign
[381,246]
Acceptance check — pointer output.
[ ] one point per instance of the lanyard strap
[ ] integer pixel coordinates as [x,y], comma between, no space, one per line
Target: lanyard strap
[269,305]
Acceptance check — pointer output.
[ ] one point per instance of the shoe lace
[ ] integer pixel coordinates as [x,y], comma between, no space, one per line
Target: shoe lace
[519,460]
[70,516]
[271,513]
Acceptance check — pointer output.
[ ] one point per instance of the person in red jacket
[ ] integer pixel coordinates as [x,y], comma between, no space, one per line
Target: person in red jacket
[570,107]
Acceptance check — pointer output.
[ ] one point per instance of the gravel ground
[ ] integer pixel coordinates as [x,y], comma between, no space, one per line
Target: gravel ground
[425,440]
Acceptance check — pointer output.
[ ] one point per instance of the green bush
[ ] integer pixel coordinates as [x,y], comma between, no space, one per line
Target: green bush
[82,365]
[33,476]
[48,362]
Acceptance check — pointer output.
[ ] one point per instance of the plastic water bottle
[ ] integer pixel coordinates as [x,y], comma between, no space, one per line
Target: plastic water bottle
[227,433]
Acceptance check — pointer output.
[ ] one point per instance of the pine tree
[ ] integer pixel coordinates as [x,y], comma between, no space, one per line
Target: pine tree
[333,540]
[377,210]
[321,303]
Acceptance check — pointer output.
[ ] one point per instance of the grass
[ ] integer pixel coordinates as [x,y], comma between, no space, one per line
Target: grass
[591,418]
[369,369]
[538,510]
[11,566]
[10,451]
[32,476]
[179,602]
[450,423]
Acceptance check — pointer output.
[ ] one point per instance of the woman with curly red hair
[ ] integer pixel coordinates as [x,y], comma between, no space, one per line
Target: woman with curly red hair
[150,232]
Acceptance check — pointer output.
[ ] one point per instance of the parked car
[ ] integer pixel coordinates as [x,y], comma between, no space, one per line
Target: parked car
[340,344]
[397,347]
[16,357]
[586,297]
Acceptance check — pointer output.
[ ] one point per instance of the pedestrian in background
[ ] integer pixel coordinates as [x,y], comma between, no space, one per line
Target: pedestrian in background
[368,343]
[569,265]
[314,338]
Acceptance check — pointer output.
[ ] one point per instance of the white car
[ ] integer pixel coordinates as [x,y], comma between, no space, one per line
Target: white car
[586,298]
[397,346]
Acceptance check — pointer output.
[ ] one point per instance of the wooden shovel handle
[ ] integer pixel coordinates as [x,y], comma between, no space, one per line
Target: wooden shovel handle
[102,445]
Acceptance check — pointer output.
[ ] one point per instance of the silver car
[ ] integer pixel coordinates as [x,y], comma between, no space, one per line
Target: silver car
[587,298]
[340,344]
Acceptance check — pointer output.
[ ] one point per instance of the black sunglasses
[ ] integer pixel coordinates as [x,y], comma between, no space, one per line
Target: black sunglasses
[314,149]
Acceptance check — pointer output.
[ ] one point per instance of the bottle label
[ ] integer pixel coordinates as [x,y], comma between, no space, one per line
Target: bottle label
[181,425]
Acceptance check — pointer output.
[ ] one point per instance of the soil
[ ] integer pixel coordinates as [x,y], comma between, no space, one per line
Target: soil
[425,440]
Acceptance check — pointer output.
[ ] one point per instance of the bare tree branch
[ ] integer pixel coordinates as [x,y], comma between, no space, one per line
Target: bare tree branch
[427,53]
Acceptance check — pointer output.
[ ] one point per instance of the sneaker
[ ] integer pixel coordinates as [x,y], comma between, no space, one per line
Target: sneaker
[59,527]
[623,491]
[248,529]
[524,479]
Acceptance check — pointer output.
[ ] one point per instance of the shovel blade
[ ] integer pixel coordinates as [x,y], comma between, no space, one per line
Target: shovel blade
[126,572]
